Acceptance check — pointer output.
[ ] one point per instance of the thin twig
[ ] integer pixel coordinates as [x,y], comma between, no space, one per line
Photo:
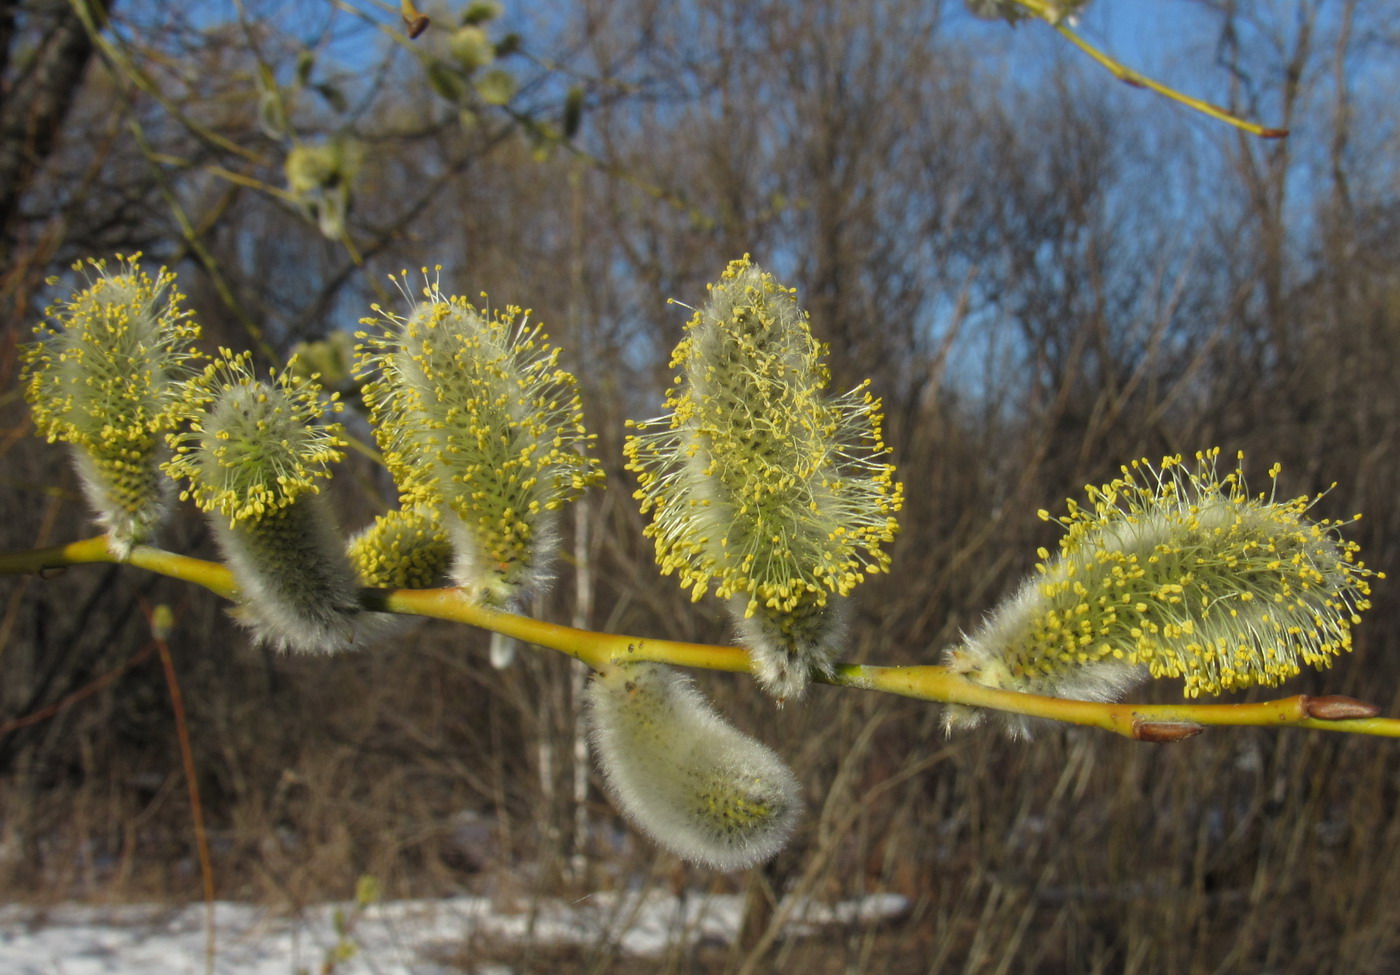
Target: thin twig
[87,690]
[182,732]
[1050,13]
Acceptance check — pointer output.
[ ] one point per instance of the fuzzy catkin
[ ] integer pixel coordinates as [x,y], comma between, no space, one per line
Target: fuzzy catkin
[253,459]
[685,776]
[296,591]
[475,417]
[1172,572]
[762,486]
[105,376]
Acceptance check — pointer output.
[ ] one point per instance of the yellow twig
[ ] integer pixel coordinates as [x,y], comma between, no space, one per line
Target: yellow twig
[603,651]
[1145,722]
[1050,13]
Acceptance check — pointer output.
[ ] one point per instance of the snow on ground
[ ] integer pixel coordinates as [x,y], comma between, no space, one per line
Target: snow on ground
[395,938]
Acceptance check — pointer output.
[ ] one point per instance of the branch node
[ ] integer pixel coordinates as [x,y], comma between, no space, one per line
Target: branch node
[1165,731]
[1335,707]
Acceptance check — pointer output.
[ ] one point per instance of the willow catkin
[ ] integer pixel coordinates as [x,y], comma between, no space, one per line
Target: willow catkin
[1172,572]
[761,486]
[690,780]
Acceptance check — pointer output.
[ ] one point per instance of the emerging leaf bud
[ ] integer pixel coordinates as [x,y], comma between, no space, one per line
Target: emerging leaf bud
[254,456]
[482,11]
[1172,573]
[105,377]
[471,48]
[686,777]
[760,483]
[320,178]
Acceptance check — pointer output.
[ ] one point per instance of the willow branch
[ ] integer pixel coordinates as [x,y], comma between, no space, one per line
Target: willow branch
[1049,12]
[604,651]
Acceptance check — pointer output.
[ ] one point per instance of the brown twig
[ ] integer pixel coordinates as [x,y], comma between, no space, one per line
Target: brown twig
[182,733]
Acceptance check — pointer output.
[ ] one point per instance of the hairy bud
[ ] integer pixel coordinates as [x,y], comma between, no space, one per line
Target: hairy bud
[105,377]
[686,777]
[1172,573]
[761,485]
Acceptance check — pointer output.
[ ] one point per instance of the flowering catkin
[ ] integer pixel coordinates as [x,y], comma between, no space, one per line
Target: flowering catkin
[403,549]
[762,485]
[105,377]
[1172,572]
[474,416]
[693,782]
[254,457]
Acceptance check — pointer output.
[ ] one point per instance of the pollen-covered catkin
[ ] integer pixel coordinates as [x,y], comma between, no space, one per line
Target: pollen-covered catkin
[760,484]
[403,549]
[686,777]
[475,417]
[1172,572]
[104,376]
[254,456]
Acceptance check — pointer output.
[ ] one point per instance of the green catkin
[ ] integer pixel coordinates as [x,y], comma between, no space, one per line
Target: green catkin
[320,177]
[104,376]
[690,780]
[1172,572]
[760,484]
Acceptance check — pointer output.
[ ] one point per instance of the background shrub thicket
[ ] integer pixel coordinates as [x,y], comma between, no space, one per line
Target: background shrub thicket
[1043,274]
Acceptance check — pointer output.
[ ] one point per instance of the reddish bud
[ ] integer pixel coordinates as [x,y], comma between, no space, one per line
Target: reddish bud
[1335,707]
[1164,731]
